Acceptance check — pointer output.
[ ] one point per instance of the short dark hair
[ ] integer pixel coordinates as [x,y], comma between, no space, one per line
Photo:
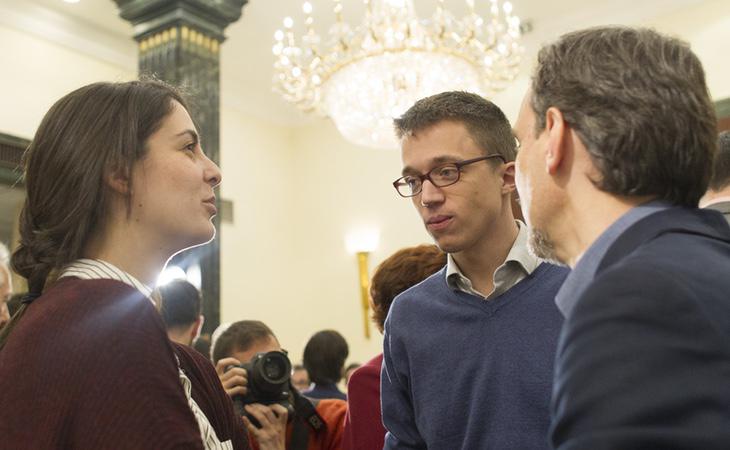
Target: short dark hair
[181,303]
[486,123]
[639,102]
[239,337]
[400,271]
[720,178]
[325,355]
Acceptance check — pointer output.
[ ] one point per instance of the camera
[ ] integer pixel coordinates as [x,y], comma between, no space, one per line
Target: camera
[268,383]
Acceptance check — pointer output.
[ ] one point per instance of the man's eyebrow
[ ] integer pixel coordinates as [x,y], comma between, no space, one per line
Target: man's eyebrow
[435,162]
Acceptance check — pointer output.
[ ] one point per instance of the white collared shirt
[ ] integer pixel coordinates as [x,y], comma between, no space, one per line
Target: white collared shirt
[518,265]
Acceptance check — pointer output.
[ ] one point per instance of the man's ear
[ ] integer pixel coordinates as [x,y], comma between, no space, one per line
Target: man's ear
[555,125]
[198,326]
[508,177]
[118,180]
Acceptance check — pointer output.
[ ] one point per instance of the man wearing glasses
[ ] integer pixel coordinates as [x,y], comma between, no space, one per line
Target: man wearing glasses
[468,353]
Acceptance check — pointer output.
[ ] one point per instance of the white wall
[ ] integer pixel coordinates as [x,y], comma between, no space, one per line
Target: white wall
[707,29]
[36,72]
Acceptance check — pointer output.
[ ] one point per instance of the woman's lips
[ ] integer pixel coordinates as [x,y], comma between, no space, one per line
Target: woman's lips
[210,205]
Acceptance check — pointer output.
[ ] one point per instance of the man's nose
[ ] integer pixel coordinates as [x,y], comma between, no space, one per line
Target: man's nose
[430,194]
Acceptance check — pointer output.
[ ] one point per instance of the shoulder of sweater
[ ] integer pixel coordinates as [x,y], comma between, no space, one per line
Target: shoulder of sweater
[83,295]
[191,356]
[97,307]
[426,287]
[366,371]
[333,411]
[553,271]
[85,317]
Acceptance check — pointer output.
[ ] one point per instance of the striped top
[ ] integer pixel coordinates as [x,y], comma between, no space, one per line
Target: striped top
[96,269]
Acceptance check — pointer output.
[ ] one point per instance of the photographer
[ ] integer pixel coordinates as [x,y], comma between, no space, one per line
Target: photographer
[283,424]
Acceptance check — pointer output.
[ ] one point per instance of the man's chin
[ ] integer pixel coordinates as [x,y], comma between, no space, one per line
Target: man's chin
[542,246]
[447,245]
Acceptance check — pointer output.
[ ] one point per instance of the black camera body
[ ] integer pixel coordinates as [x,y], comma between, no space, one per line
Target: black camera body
[268,383]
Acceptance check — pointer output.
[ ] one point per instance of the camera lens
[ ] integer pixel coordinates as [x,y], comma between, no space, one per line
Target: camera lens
[270,372]
[273,368]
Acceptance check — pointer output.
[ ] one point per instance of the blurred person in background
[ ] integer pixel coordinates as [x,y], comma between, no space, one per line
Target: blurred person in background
[405,268]
[274,423]
[180,309]
[300,378]
[324,358]
[349,370]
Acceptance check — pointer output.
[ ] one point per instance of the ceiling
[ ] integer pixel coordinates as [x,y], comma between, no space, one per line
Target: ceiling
[246,59]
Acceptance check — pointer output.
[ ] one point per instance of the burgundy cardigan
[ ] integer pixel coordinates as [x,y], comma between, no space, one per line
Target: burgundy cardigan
[363,424]
[89,366]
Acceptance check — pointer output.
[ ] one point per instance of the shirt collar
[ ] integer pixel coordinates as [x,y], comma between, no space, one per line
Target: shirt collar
[518,254]
[715,201]
[585,270]
[96,269]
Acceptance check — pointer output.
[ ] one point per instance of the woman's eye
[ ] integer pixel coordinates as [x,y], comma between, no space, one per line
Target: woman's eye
[190,147]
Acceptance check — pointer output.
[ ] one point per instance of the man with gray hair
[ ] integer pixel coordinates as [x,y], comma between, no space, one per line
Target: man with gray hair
[617,136]
[6,285]
[717,196]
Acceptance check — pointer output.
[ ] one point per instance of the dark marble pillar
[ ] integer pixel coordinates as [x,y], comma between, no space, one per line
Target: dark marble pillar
[179,42]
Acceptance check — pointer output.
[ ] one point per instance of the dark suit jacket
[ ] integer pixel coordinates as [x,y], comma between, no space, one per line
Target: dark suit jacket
[644,357]
[723,207]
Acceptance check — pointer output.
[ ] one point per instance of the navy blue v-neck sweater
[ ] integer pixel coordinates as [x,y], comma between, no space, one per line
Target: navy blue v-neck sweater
[460,372]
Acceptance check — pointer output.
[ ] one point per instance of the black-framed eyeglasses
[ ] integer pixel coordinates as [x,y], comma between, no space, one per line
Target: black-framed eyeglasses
[440,176]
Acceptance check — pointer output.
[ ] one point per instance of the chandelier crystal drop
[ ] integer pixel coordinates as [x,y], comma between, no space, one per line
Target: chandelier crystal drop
[364,76]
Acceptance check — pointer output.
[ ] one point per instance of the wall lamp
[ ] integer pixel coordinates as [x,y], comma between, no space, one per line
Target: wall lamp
[361,243]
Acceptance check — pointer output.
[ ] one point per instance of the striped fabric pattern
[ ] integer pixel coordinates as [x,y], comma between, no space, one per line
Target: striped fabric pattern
[96,269]
[210,439]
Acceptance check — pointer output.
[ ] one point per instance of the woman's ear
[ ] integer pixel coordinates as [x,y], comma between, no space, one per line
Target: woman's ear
[118,180]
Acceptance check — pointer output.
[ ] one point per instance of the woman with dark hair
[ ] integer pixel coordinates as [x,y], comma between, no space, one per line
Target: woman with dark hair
[117,183]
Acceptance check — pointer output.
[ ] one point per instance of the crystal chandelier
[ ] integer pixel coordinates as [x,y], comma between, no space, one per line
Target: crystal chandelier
[363,77]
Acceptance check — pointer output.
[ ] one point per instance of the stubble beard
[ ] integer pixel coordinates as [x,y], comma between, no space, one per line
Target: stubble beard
[541,245]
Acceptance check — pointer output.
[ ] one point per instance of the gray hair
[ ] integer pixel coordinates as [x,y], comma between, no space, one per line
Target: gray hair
[639,102]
